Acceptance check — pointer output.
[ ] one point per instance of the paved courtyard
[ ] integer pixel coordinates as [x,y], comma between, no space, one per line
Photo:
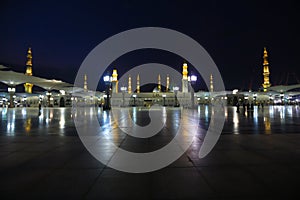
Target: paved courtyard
[256,157]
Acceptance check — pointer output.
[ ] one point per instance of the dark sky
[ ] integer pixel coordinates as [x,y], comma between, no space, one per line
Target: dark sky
[234,33]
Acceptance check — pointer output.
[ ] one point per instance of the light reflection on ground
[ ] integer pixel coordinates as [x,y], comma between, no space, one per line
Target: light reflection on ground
[58,121]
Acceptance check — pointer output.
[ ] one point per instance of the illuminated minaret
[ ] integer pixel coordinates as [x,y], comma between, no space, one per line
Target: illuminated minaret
[28,86]
[266,72]
[168,83]
[211,83]
[129,84]
[115,81]
[85,88]
[185,78]
[138,84]
[159,83]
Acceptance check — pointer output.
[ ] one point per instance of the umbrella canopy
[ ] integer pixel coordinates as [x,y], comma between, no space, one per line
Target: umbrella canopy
[12,78]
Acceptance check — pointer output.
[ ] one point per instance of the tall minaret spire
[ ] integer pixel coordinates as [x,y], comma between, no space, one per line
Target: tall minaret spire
[266,72]
[115,81]
[129,84]
[159,83]
[211,83]
[138,84]
[85,88]
[29,63]
[168,83]
[28,86]
[185,78]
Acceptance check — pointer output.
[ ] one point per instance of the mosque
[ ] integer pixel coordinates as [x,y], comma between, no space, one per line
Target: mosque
[186,97]
[170,96]
[56,93]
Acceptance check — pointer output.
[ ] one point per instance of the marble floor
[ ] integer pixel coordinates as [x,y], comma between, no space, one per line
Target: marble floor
[256,157]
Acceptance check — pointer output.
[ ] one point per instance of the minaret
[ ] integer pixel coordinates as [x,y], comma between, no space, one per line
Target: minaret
[159,83]
[211,89]
[28,86]
[168,83]
[115,81]
[129,84]
[138,84]
[185,78]
[85,88]
[266,72]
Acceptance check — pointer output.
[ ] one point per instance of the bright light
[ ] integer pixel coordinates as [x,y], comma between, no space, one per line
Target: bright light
[164,95]
[235,91]
[193,78]
[175,88]
[62,92]
[11,89]
[106,78]
[277,101]
[123,88]
[134,95]
[57,81]
[246,97]
[48,93]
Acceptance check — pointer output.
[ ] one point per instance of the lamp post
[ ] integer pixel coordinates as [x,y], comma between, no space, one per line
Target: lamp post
[134,96]
[48,94]
[255,97]
[123,89]
[11,91]
[270,99]
[107,79]
[164,99]
[175,89]
[281,98]
[192,79]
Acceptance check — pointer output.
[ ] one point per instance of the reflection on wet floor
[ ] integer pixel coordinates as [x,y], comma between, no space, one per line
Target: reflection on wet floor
[59,121]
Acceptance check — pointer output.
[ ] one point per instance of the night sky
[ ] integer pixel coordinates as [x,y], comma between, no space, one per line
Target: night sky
[61,34]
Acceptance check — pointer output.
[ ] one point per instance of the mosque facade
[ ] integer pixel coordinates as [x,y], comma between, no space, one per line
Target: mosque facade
[60,94]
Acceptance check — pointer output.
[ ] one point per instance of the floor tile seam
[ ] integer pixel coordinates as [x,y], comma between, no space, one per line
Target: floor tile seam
[85,194]
[202,175]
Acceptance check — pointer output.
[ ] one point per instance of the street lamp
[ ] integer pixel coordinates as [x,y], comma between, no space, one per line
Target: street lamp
[134,96]
[123,89]
[175,89]
[192,79]
[48,94]
[254,96]
[107,79]
[281,97]
[164,98]
[11,91]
